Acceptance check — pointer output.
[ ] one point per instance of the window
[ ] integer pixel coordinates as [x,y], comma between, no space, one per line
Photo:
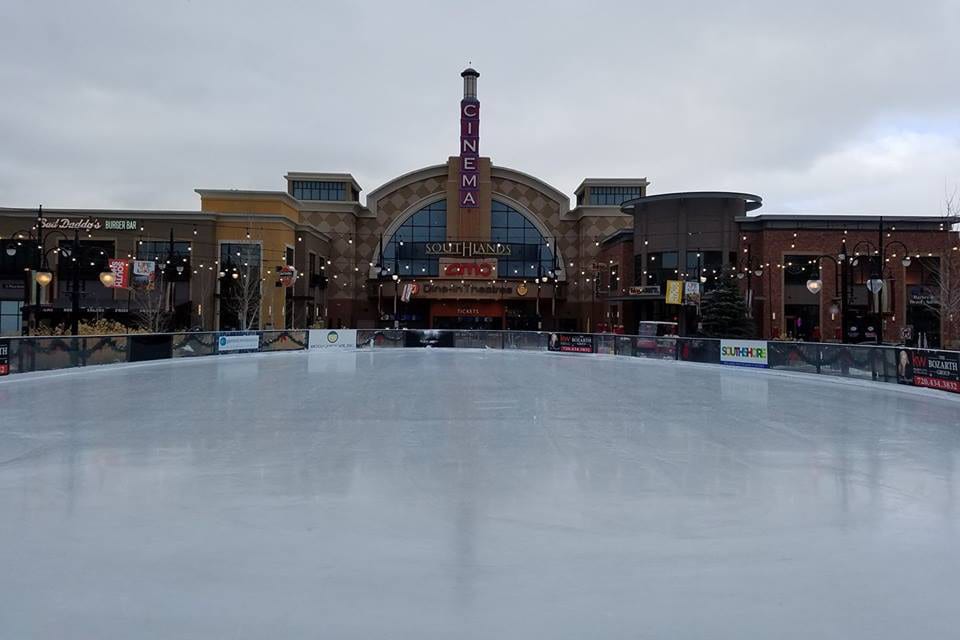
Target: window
[12,266]
[96,251]
[530,253]
[159,251]
[10,317]
[312,264]
[315,190]
[406,251]
[707,264]
[239,257]
[613,196]
[613,280]
[662,266]
[289,256]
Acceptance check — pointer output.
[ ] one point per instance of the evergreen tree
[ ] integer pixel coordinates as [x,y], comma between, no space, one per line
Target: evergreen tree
[724,311]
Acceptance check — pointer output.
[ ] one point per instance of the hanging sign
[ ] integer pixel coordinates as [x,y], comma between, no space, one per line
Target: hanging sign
[287,275]
[121,273]
[144,274]
[691,293]
[674,292]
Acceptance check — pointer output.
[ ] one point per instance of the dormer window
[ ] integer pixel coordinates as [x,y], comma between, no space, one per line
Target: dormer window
[317,190]
[613,196]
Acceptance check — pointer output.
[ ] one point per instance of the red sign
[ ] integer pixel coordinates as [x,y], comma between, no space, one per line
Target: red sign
[482,270]
[121,273]
[287,275]
[469,153]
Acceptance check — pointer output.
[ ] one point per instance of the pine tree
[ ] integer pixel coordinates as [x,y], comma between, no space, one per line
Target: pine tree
[724,311]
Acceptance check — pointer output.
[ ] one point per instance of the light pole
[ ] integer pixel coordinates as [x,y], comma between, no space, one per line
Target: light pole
[748,268]
[76,254]
[875,284]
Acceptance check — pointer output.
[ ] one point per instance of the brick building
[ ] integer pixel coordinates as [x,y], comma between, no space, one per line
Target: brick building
[804,276]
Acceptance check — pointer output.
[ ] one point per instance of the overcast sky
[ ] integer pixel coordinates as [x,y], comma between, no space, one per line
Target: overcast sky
[821,107]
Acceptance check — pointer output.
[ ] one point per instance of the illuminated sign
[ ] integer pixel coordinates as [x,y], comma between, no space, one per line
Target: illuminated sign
[469,153]
[455,268]
[89,224]
[467,249]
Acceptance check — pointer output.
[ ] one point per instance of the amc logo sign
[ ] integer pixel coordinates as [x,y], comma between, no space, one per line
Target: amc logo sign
[470,270]
[464,269]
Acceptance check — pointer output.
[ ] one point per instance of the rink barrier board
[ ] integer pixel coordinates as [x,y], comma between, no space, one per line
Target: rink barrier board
[929,368]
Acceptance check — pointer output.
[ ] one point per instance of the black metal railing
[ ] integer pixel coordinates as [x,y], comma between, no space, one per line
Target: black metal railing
[863,362]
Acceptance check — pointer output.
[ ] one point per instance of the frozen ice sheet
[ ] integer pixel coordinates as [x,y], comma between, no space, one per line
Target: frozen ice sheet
[454,494]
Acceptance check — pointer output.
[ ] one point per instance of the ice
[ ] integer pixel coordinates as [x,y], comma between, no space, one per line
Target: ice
[474,494]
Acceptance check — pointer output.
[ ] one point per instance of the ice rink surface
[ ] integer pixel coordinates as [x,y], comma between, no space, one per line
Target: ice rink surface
[455,494]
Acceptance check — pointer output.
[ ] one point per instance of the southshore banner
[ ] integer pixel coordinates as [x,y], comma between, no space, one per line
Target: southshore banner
[744,353]
[932,369]
[333,339]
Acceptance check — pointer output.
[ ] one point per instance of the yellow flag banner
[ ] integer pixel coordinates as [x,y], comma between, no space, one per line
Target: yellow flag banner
[674,292]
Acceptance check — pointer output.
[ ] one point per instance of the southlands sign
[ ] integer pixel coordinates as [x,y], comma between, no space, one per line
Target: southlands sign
[467,249]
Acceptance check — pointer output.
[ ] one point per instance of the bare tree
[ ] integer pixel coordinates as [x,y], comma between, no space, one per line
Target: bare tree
[240,295]
[153,312]
[944,279]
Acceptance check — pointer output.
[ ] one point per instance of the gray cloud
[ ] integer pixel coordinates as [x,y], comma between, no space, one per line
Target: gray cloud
[818,106]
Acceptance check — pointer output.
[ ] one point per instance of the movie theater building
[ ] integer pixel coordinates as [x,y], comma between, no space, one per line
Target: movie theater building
[461,244]
[464,243]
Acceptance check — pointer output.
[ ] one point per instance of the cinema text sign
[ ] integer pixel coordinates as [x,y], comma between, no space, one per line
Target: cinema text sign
[469,153]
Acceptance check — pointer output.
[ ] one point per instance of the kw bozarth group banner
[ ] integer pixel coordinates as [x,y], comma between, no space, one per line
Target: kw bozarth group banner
[932,369]
[744,353]
[333,339]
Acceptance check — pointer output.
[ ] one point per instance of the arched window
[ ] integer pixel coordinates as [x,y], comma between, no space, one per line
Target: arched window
[528,247]
[405,251]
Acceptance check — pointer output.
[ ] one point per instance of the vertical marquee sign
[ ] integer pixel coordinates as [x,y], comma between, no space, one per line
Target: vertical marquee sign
[470,142]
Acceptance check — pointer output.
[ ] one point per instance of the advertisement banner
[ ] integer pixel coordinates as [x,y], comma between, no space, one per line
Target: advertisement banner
[931,369]
[121,273]
[243,342]
[570,342]
[744,353]
[144,274]
[4,357]
[691,293]
[427,338]
[333,339]
[674,292]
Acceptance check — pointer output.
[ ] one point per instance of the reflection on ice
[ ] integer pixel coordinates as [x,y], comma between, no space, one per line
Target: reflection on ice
[473,494]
